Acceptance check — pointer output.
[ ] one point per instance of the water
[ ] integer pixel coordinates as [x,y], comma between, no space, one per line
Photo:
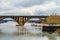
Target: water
[9,37]
[21,37]
[27,37]
[43,36]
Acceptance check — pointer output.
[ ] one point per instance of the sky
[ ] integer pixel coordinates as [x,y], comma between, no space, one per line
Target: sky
[29,7]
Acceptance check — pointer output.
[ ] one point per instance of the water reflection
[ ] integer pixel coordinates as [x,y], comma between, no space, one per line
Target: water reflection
[44,36]
[28,36]
[9,37]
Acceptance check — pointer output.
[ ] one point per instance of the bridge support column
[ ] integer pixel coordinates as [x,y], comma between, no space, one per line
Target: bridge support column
[21,21]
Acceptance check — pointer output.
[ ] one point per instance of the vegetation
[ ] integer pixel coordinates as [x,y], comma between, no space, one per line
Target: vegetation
[53,19]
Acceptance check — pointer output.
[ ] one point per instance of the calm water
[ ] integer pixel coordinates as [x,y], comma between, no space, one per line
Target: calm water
[9,37]
[27,37]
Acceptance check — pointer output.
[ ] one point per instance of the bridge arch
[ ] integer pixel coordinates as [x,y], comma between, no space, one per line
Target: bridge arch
[21,19]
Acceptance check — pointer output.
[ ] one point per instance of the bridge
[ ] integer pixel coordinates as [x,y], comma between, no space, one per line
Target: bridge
[21,19]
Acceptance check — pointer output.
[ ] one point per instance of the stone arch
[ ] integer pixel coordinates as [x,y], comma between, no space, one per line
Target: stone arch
[21,19]
[13,17]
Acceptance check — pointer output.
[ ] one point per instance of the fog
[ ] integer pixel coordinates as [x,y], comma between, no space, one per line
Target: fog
[10,27]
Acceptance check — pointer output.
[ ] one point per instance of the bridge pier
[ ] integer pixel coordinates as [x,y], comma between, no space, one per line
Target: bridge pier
[20,21]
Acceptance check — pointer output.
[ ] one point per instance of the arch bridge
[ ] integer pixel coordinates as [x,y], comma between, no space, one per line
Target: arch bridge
[21,19]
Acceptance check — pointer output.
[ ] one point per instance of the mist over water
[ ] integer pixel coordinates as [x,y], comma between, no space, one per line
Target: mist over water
[6,33]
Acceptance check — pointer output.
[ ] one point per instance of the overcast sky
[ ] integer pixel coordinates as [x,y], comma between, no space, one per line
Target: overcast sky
[29,7]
